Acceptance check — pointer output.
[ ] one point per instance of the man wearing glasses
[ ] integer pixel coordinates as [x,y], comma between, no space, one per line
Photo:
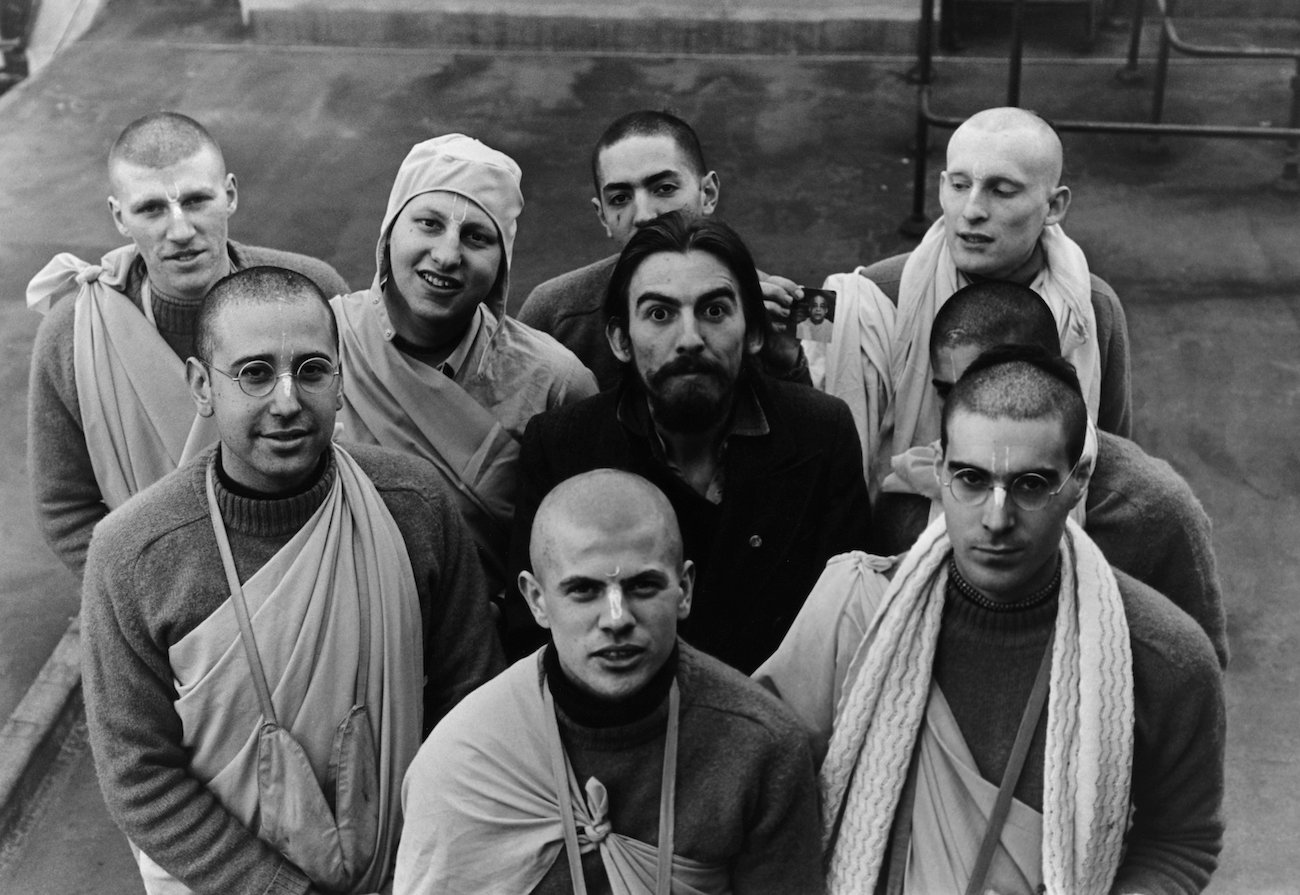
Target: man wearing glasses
[1006,712]
[270,629]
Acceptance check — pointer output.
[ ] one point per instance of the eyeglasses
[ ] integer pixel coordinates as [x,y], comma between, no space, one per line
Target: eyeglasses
[257,378]
[1029,490]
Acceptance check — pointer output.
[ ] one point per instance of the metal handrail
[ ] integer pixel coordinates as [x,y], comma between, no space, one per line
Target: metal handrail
[917,222]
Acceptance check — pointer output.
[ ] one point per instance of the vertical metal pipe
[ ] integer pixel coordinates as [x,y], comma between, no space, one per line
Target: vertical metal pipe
[1290,179]
[1017,52]
[1162,73]
[916,222]
[1129,74]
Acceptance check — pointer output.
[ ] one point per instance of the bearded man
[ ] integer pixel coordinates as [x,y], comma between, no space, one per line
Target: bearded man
[765,477]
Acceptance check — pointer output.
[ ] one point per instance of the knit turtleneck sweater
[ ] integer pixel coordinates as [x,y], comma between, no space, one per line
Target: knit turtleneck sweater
[985,664]
[745,794]
[155,573]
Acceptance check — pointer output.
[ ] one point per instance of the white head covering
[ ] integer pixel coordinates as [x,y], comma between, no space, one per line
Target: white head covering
[455,163]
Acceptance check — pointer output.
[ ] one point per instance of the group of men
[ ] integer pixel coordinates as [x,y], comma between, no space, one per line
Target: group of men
[314,524]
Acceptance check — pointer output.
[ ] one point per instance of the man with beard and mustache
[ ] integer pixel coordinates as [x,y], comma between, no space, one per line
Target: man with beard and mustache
[765,477]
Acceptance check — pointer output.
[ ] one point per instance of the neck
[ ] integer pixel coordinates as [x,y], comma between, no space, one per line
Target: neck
[241,489]
[1022,274]
[588,710]
[432,344]
[696,454]
[1043,587]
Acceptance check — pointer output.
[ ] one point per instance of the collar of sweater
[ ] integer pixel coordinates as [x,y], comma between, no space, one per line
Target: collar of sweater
[267,516]
[594,722]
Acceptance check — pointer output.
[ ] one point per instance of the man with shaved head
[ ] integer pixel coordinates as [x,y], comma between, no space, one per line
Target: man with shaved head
[1004,711]
[270,629]
[1138,509]
[1003,203]
[617,759]
[109,412]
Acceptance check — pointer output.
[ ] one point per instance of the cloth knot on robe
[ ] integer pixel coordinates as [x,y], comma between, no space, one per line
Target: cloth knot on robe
[595,832]
[89,274]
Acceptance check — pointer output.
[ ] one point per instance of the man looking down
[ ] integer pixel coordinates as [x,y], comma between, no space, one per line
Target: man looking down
[269,629]
[109,412]
[617,759]
[1003,204]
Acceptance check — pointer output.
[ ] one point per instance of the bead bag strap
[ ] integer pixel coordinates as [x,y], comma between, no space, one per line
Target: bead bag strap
[1015,764]
[667,795]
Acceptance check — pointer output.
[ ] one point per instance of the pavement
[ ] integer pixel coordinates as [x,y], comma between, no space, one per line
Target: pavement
[812,151]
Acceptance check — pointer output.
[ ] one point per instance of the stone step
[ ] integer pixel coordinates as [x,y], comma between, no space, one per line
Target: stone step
[661,26]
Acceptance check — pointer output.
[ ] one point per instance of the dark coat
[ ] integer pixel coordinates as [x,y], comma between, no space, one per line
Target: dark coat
[792,499]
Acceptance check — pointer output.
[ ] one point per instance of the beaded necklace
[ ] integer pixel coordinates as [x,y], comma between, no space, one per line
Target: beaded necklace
[968,591]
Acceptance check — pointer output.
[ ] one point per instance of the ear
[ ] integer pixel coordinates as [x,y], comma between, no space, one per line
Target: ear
[338,398]
[531,588]
[687,583]
[619,342]
[200,383]
[756,336]
[232,194]
[115,209]
[1058,203]
[711,191]
[1079,482]
[600,216]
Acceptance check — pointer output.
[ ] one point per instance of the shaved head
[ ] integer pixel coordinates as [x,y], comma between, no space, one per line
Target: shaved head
[161,139]
[994,312]
[256,286]
[1035,139]
[600,502]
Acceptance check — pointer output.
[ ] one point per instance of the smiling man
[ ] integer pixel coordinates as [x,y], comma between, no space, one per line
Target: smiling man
[1005,712]
[1003,205]
[764,476]
[436,368]
[109,412]
[617,759]
[270,628]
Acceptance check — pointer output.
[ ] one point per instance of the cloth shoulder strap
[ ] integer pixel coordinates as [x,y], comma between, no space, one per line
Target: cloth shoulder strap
[1011,775]
[667,796]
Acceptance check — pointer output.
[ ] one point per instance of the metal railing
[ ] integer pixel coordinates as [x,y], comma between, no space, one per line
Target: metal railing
[926,118]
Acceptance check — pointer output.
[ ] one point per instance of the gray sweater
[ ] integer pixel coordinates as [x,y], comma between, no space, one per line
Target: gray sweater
[154,573]
[65,493]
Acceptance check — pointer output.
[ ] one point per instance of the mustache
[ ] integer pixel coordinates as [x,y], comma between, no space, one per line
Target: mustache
[683,366]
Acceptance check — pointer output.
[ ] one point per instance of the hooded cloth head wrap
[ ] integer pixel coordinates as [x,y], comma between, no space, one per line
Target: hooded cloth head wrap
[458,164]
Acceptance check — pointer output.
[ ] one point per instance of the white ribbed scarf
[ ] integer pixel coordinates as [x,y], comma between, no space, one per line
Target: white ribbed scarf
[1089,721]
[929,279]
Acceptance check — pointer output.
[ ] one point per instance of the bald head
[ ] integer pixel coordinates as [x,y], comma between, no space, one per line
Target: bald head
[602,502]
[1000,190]
[1020,131]
[994,312]
[159,140]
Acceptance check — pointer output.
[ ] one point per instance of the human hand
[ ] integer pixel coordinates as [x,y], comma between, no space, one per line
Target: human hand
[780,346]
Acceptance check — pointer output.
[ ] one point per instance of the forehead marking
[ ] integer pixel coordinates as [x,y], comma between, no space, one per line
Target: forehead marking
[614,593]
[459,208]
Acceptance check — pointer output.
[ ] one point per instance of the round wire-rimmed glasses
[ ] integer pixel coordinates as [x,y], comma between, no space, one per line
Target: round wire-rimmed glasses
[257,378]
[1030,490]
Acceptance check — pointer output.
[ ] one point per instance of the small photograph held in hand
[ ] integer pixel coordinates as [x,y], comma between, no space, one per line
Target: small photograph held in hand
[814,314]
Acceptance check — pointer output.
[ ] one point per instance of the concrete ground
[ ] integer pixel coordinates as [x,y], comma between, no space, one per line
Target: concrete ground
[812,153]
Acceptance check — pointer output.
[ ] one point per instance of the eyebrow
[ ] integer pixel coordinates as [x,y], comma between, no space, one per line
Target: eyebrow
[1047,472]
[652,179]
[195,193]
[295,362]
[719,292]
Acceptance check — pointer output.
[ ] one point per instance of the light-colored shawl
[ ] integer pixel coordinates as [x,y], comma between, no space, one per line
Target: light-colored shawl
[136,410]
[857,362]
[395,400]
[304,604]
[1089,721]
[929,279]
[483,814]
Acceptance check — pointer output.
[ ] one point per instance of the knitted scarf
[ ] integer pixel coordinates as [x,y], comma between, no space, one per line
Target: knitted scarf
[1089,717]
